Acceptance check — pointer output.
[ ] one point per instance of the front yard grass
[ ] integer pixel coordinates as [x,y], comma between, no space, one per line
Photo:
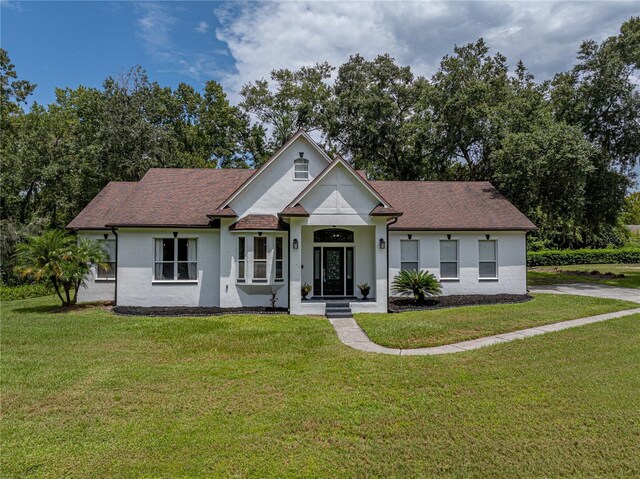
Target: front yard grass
[420,329]
[545,275]
[90,394]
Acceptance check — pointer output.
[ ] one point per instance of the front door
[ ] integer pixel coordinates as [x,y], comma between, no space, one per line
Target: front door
[333,271]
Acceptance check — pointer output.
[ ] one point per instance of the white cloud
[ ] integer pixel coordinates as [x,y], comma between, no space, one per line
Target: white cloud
[202,27]
[545,35]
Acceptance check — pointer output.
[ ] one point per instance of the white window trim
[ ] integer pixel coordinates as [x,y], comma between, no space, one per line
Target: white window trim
[264,280]
[175,261]
[97,277]
[417,261]
[495,245]
[242,261]
[457,278]
[277,260]
[300,161]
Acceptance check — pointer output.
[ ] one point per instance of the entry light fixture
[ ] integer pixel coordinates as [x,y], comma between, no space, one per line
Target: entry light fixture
[488,236]
[295,243]
[106,235]
[448,237]
[383,245]
[259,233]
[409,235]
[175,234]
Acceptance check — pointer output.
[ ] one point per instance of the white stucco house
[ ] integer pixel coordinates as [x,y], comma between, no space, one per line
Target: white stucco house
[228,238]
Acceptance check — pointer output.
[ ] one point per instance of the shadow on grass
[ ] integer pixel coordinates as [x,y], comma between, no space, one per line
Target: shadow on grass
[49,309]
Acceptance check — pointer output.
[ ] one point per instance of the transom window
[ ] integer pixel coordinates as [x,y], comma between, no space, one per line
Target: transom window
[409,254]
[333,235]
[449,259]
[488,264]
[176,259]
[301,169]
[108,272]
[260,258]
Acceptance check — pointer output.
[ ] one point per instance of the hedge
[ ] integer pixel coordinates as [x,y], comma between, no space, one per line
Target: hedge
[24,291]
[583,256]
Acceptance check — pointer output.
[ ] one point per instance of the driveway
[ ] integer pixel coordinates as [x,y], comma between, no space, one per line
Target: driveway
[590,289]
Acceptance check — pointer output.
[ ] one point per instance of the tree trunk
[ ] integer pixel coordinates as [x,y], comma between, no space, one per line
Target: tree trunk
[67,287]
[57,288]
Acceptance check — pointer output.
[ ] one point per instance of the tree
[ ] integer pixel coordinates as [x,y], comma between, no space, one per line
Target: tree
[378,121]
[57,256]
[297,101]
[631,210]
[417,283]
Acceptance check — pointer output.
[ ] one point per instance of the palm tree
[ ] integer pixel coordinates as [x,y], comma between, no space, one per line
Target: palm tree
[416,283]
[57,256]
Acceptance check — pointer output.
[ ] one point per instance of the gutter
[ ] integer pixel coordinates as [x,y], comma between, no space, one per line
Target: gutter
[395,220]
[115,295]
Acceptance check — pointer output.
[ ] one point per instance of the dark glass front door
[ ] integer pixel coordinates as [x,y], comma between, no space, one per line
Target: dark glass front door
[333,268]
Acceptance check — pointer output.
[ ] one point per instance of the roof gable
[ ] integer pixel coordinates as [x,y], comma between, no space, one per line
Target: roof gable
[260,171]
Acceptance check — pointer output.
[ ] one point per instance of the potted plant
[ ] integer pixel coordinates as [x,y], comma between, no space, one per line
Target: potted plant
[364,290]
[305,290]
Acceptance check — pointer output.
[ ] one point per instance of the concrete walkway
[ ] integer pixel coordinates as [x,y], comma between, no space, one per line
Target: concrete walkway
[591,289]
[351,334]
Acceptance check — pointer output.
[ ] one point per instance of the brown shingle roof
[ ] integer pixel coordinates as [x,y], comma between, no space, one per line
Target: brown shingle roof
[259,222]
[167,197]
[451,205]
[384,211]
[101,209]
[296,210]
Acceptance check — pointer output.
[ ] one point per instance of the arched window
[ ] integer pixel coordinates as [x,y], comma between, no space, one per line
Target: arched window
[333,235]
[301,169]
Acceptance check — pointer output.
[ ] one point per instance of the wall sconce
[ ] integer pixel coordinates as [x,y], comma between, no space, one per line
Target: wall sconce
[448,237]
[487,236]
[295,243]
[301,154]
[409,236]
[383,245]
[259,233]
[106,235]
[175,234]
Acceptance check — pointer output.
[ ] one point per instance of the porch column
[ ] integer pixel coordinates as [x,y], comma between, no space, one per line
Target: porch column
[295,262]
[381,265]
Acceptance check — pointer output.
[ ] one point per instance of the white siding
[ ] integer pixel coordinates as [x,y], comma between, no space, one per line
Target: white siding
[511,248]
[136,286]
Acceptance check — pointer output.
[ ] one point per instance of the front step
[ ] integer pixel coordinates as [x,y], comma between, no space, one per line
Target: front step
[338,310]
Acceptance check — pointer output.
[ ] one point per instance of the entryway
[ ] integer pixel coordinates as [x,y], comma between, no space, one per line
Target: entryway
[333,271]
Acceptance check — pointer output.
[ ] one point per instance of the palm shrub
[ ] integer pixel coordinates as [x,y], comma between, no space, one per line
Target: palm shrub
[417,283]
[57,257]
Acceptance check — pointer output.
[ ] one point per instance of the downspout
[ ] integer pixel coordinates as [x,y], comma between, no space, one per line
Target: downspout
[395,220]
[115,276]
[289,271]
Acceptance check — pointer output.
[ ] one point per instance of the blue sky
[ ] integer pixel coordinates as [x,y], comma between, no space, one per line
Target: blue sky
[81,43]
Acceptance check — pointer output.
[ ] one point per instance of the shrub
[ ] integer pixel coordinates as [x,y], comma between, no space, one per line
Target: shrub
[583,256]
[417,283]
[24,291]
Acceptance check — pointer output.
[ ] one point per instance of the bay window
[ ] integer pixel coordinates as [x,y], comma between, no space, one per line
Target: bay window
[175,259]
[260,258]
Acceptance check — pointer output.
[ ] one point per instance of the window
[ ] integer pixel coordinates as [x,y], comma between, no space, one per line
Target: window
[488,265]
[301,169]
[242,259]
[175,259]
[449,259]
[108,272]
[333,235]
[279,260]
[409,254]
[260,258]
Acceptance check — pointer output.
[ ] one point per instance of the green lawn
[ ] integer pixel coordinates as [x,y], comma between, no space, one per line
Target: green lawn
[420,329]
[544,275]
[89,394]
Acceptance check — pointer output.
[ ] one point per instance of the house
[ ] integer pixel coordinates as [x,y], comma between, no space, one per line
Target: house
[228,238]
